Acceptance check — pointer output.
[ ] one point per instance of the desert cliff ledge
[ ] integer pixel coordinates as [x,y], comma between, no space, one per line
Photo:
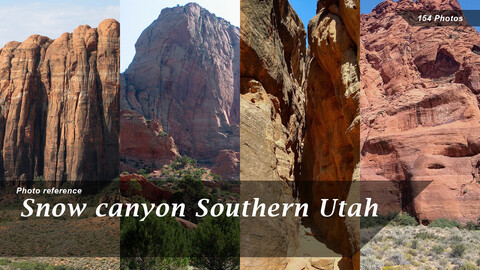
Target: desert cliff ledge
[59,106]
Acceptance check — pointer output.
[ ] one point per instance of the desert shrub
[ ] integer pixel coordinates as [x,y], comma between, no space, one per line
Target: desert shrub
[456,239]
[25,265]
[216,177]
[458,250]
[394,219]
[370,263]
[466,266]
[443,263]
[404,219]
[437,249]
[366,251]
[399,241]
[397,258]
[424,235]
[414,244]
[445,223]
[225,186]
[478,262]
[364,239]
[380,221]
[412,252]
[143,172]
[181,162]
[472,226]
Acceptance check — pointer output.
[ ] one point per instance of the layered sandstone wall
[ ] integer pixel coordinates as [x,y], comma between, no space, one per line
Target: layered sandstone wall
[59,106]
[420,110]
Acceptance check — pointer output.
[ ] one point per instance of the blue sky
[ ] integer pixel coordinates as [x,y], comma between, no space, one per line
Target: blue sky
[21,19]
[306,9]
[139,14]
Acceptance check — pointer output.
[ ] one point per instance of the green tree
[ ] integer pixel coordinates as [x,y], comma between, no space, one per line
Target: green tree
[156,243]
[182,162]
[190,191]
[133,186]
[404,219]
[216,243]
[445,223]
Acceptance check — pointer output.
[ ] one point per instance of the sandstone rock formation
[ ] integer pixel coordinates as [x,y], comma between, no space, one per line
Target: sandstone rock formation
[420,110]
[299,115]
[272,114]
[59,106]
[332,137]
[185,74]
[144,141]
[227,164]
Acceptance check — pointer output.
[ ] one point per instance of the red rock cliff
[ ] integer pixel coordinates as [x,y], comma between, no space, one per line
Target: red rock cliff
[185,74]
[59,106]
[420,109]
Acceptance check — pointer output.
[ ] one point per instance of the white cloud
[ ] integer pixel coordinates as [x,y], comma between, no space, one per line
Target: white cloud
[17,22]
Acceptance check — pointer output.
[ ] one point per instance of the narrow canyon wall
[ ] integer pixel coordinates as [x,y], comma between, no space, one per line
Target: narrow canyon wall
[185,74]
[332,138]
[272,99]
[299,116]
[59,106]
[272,121]
[420,110]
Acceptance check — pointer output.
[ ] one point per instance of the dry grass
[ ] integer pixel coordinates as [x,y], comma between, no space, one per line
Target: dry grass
[420,247]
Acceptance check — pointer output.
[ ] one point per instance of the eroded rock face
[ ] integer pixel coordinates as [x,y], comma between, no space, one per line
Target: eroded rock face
[272,99]
[332,137]
[420,109]
[144,142]
[299,109]
[185,74]
[227,165]
[272,106]
[59,106]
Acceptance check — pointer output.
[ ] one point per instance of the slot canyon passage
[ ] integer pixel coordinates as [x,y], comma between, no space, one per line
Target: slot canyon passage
[299,123]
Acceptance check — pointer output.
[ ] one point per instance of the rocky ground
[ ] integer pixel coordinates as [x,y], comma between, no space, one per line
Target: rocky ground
[88,235]
[420,247]
[68,263]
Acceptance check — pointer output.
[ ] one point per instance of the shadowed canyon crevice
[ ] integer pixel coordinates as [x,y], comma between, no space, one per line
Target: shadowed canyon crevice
[299,121]
[59,102]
